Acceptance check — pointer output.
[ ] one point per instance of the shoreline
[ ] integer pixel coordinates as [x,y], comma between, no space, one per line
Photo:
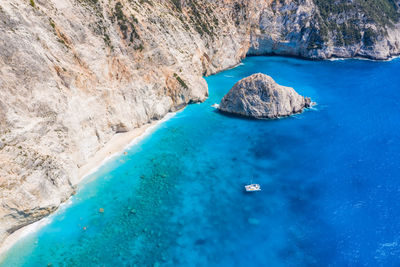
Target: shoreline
[363,58]
[331,58]
[113,148]
[116,146]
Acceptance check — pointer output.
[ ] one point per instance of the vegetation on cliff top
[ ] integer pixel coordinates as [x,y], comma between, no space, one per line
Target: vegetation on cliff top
[382,12]
[348,21]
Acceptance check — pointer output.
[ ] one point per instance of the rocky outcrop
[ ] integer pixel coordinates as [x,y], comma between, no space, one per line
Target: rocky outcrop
[75,72]
[259,96]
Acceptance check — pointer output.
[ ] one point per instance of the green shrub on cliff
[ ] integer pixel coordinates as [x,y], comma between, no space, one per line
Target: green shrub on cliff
[369,37]
[125,24]
[177,4]
[181,82]
[351,33]
[383,12]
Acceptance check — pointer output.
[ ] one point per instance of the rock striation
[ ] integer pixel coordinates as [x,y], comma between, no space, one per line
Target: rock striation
[259,96]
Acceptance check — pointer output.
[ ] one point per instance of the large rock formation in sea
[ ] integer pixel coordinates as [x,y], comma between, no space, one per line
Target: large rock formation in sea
[259,96]
[73,73]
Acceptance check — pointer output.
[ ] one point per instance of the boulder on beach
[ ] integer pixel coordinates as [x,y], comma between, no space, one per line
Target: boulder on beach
[259,96]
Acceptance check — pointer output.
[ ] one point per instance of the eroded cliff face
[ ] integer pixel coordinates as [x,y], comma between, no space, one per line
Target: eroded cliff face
[321,29]
[73,73]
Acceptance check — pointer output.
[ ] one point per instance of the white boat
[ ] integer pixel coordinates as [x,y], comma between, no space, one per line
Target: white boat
[252,187]
[215,105]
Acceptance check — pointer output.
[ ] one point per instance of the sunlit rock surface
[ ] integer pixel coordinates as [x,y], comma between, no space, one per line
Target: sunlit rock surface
[259,96]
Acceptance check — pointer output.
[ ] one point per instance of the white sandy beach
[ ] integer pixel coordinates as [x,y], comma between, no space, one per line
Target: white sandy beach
[113,148]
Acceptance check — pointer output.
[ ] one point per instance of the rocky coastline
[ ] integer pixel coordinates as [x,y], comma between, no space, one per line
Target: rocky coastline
[75,73]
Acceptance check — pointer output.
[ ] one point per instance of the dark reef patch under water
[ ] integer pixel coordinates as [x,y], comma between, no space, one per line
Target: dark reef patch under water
[330,180]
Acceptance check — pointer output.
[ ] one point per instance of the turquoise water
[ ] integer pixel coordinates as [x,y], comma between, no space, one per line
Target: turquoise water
[330,180]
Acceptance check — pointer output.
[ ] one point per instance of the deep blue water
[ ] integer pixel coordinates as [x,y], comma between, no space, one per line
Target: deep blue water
[330,180]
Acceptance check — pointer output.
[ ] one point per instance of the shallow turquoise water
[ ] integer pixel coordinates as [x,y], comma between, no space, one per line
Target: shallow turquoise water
[330,180]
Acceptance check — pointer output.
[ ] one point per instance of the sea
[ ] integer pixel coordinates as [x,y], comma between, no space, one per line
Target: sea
[330,180]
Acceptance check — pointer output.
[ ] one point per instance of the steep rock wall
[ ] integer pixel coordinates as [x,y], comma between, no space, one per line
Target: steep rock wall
[321,29]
